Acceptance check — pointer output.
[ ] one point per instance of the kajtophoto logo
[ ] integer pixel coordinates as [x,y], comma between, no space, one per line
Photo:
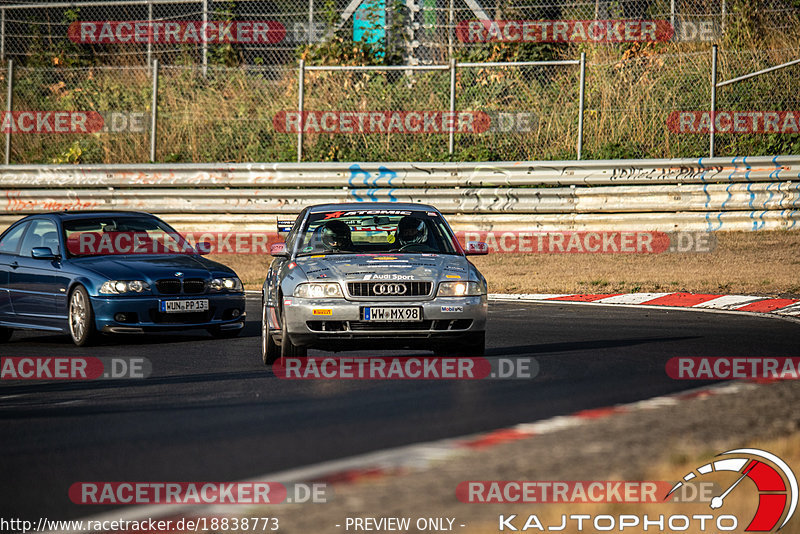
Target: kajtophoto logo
[774,480]
[770,495]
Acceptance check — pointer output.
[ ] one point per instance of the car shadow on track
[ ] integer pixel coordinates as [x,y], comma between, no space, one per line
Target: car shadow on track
[32,337]
[570,346]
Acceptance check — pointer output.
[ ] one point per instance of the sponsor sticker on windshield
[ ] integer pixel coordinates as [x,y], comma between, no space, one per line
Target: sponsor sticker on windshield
[340,214]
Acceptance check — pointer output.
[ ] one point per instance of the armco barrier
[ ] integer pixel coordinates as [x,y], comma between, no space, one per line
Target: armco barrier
[703,194]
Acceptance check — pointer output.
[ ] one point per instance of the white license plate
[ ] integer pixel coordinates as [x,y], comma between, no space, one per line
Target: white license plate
[392,314]
[183,306]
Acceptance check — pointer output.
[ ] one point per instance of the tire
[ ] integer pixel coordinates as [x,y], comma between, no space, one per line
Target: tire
[270,351]
[224,334]
[288,349]
[5,334]
[81,317]
[472,345]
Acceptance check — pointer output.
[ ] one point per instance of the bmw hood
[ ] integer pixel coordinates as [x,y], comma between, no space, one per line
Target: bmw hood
[151,268]
[388,267]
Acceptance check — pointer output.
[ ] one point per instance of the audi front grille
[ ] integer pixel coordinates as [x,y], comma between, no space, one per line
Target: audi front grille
[389,289]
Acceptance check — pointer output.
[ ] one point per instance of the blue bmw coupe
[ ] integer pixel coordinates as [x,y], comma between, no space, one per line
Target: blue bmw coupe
[82,273]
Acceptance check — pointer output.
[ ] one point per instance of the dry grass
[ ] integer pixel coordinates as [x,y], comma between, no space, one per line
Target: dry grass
[758,263]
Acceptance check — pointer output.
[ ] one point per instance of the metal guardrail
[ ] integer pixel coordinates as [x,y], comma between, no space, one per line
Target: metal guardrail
[708,194]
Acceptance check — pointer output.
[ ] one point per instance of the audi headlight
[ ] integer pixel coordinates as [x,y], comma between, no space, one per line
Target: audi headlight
[120,287]
[459,289]
[313,290]
[226,284]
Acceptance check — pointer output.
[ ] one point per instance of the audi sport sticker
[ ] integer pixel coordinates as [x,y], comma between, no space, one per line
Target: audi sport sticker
[388,277]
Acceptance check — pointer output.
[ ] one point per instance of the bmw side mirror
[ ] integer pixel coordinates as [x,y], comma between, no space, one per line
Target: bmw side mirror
[278,249]
[203,248]
[43,253]
[476,248]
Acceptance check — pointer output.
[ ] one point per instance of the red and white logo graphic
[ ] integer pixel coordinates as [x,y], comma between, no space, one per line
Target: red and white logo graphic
[774,480]
[176,32]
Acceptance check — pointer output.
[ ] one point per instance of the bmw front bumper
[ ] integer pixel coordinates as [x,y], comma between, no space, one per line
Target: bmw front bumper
[134,314]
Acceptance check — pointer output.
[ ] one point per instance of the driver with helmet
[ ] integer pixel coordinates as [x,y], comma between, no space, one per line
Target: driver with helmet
[412,231]
[336,236]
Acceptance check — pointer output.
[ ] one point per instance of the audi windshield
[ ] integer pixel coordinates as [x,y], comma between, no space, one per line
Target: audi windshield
[376,231]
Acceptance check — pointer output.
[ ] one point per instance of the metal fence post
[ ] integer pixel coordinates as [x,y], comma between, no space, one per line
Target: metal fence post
[301,74]
[2,33]
[9,101]
[724,15]
[154,112]
[149,33]
[672,13]
[711,139]
[205,41]
[310,21]
[451,21]
[451,142]
[581,104]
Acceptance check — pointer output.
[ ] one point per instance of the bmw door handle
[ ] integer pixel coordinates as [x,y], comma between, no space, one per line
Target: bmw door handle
[14,265]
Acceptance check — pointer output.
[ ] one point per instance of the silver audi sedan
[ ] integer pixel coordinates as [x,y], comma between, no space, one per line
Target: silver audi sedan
[381,275]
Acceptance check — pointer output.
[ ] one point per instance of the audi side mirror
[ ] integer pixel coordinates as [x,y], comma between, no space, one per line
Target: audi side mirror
[476,248]
[278,250]
[43,253]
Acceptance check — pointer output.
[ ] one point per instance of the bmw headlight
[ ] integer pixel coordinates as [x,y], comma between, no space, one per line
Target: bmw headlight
[314,290]
[226,284]
[120,287]
[459,289]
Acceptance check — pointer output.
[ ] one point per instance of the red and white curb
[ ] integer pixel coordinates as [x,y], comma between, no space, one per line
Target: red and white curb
[696,301]
[419,456]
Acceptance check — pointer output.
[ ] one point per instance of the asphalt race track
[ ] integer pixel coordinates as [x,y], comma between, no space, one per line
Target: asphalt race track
[212,412]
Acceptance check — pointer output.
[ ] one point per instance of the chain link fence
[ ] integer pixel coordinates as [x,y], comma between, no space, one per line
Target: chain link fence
[75,101]
[776,93]
[649,106]
[274,32]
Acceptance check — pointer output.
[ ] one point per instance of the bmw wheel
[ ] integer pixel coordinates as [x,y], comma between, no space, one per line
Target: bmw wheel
[81,317]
